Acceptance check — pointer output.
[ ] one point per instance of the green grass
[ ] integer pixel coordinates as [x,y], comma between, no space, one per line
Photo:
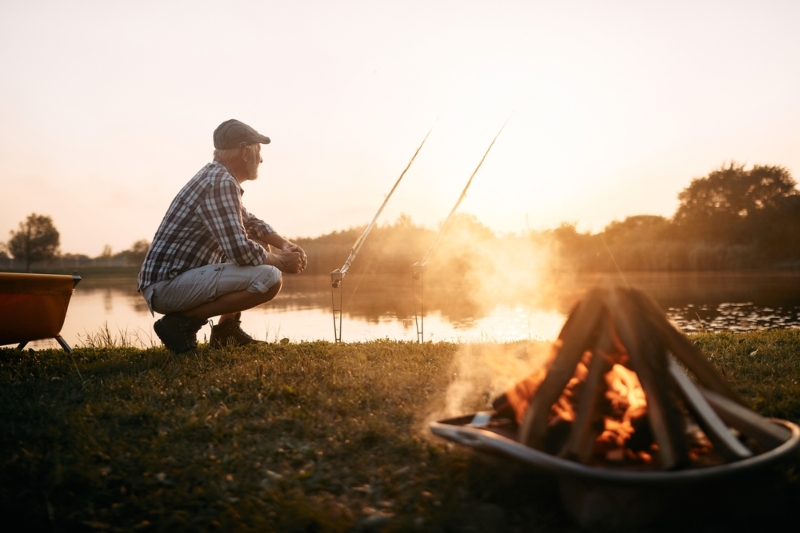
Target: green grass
[290,437]
[764,366]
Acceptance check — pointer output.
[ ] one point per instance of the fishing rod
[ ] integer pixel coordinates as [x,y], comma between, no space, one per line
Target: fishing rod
[337,276]
[417,269]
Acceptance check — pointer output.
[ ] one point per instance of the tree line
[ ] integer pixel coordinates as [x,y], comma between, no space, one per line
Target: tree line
[734,218]
[37,241]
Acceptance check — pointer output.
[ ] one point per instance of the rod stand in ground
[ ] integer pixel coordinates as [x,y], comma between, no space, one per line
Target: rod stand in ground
[432,247]
[338,275]
[336,303]
[417,281]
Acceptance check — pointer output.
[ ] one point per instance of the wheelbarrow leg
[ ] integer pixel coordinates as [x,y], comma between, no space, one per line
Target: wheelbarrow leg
[63,343]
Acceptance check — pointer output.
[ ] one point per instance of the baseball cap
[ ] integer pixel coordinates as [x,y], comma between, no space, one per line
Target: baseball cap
[233,134]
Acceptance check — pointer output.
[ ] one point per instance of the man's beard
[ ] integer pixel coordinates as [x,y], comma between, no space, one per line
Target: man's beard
[252,169]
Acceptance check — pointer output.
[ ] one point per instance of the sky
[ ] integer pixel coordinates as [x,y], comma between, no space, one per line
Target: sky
[107,108]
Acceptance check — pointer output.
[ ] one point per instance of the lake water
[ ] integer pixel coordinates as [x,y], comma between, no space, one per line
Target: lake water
[377,307]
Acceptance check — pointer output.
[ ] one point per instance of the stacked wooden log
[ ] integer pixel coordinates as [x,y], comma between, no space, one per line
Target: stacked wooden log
[622,326]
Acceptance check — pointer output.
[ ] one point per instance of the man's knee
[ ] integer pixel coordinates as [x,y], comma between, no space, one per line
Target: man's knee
[275,289]
[263,279]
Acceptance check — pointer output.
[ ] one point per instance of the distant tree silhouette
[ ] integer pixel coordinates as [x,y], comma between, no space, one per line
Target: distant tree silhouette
[637,229]
[777,232]
[730,203]
[36,240]
[138,251]
[133,256]
[107,254]
[732,219]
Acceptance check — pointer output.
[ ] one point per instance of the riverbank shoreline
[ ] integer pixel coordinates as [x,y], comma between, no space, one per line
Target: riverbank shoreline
[382,306]
[133,270]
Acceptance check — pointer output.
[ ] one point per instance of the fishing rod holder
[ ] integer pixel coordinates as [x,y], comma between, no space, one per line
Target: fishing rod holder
[337,276]
[417,271]
[418,268]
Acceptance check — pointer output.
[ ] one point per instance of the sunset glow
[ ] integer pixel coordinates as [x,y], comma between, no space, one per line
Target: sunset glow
[107,109]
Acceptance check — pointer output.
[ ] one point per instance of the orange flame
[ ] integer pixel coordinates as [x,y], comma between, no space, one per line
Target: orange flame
[564,407]
[624,393]
[627,399]
[520,394]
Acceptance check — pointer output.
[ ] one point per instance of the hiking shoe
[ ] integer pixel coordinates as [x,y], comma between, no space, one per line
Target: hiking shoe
[230,333]
[178,332]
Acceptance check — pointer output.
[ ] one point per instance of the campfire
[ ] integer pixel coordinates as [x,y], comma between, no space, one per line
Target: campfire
[615,416]
[613,393]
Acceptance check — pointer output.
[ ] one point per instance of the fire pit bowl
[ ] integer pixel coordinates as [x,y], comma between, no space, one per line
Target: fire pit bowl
[614,413]
[608,498]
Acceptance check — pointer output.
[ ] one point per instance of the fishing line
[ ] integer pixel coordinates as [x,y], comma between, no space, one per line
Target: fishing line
[615,261]
[417,269]
[360,279]
[337,276]
[461,198]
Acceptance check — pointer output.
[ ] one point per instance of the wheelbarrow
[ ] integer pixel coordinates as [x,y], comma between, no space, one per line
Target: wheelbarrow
[34,306]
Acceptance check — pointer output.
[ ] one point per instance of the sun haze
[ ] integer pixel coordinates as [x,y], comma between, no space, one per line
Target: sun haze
[107,109]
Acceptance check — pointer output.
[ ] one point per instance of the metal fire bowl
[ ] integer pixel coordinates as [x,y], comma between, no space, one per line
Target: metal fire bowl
[615,499]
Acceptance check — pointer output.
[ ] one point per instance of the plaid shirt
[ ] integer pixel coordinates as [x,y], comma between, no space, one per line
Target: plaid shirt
[206,223]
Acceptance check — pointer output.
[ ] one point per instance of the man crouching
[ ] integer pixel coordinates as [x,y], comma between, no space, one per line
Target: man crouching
[210,256]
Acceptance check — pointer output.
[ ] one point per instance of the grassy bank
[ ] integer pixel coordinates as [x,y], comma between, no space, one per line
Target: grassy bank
[297,437]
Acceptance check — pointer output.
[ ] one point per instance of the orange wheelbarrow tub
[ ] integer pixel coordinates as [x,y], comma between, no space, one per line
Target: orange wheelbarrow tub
[34,306]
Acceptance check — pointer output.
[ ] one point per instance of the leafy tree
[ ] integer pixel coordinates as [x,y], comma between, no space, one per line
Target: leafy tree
[136,253]
[36,240]
[404,221]
[726,204]
[75,260]
[581,251]
[468,227]
[107,254]
[777,233]
[139,250]
[636,229]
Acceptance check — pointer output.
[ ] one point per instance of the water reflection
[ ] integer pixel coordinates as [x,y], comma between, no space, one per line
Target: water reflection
[382,307]
[744,316]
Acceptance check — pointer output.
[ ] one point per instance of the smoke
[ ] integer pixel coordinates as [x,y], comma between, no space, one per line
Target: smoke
[482,372]
[481,271]
[469,273]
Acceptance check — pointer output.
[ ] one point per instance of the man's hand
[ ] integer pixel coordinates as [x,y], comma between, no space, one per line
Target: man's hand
[287,262]
[285,255]
[291,247]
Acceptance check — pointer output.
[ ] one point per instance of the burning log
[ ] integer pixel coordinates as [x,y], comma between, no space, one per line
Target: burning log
[577,335]
[684,350]
[611,390]
[584,432]
[649,361]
